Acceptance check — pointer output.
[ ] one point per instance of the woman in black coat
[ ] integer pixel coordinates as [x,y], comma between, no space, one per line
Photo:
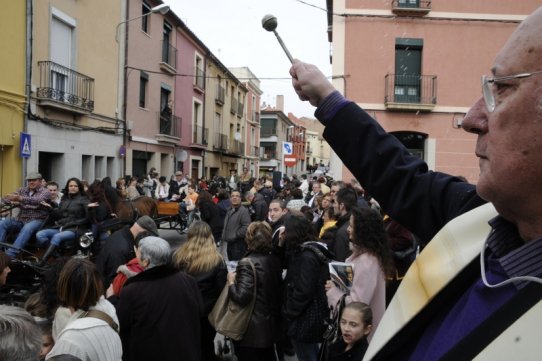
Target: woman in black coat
[71,218]
[263,328]
[199,257]
[210,213]
[305,304]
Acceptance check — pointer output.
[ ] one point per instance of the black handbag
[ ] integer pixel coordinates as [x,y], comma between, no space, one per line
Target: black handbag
[333,330]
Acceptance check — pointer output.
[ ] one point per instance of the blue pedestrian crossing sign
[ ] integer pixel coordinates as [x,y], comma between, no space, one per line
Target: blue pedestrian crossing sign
[25,145]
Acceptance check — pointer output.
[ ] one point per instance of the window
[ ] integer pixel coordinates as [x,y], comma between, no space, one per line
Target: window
[409,3]
[165,44]
[145,9]
[62,49]
[413,141]
[196,115]
[199,78]
[143,84]
[408,63]
[166,113]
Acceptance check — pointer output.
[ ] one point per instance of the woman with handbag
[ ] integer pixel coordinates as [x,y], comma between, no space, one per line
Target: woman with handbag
[258,275]
[199,257]
[305,306]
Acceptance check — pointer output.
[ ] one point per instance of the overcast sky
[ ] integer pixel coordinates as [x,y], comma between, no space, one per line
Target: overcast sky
[232,30]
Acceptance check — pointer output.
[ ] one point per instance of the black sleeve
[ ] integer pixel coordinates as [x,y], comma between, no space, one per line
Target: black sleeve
[421,200]
[242,291]
[302,286]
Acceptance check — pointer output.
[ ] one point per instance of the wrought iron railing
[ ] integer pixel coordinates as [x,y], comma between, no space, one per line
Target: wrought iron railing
[200,135]
[220,95]
[412,89]
[66,86]
[268,132]
[267,154]
[169,124]
[412,4]
[200,78]
[233,105]
[169,54]
[236,147]
[221,142]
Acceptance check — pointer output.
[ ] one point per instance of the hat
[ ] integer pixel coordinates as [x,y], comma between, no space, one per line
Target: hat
[178,172]
[148,224]
[33,175]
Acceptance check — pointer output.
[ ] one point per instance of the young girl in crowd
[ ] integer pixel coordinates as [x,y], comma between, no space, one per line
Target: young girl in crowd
[356,324]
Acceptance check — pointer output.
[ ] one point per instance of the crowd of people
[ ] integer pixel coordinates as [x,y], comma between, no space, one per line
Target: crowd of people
[138,281]
[476,286]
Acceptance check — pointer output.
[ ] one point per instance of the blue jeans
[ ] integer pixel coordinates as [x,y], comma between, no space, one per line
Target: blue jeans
[55,236]
[26,231]
[306,351]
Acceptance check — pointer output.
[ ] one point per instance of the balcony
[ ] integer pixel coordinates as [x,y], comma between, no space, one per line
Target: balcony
[220,95]
[169,128]
[200,135]
[169,58]
[410,92]
[237,147]
[268,132]
[255,152]
[411,7]
[240,109]
[308,151]
[200,79]
[64,88]
[233,105]
[221,142]
[256,117]
[268,155]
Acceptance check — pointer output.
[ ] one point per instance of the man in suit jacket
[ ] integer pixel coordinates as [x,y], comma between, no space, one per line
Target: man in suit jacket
[233,245]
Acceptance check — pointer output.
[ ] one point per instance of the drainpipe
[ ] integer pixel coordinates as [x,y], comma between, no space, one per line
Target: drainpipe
[28,75]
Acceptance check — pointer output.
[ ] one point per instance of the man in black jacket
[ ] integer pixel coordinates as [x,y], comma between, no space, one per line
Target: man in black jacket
[345,200]
[259,206]
[119,248]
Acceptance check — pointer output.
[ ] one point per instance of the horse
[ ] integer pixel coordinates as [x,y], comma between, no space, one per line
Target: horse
[131,210]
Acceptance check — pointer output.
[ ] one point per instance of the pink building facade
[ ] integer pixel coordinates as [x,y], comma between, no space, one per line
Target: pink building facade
[415,66]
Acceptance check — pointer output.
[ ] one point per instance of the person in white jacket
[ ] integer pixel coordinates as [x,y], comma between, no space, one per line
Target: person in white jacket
[91,331]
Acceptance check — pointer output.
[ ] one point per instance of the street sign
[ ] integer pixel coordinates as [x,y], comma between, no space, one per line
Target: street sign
[287,148]
[26,143]
[290,161]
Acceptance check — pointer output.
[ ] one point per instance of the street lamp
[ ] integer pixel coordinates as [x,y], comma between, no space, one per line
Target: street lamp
[162,9]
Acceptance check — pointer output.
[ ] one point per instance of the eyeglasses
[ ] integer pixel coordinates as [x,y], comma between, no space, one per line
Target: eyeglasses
[487,91]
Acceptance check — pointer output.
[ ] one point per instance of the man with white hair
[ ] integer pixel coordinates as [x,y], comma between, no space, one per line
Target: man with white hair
[20,338]
[159,309]
[475,291]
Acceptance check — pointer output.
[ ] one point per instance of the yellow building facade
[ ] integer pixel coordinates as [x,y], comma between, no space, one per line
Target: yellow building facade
[12,93]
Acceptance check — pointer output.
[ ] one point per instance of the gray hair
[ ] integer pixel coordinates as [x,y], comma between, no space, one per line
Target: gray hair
[156,250]
[21,336]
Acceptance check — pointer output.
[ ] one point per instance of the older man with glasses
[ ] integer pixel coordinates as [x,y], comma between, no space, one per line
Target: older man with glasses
[475,291]
[32,213]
